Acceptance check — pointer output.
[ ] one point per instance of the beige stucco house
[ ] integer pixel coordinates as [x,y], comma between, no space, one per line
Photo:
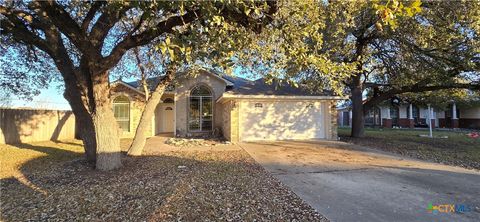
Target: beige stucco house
[236,108]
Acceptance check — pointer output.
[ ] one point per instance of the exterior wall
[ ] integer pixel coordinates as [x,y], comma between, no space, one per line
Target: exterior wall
[387,123]
[404,122]
[469,123]
[469,118]
[230,121]
[218,117]
[182,99]
[384,112]
[441,121]
[332,133]
[137,103]
[472,113]
[385,117]
[440,114]
[27,125]
[423,113]
[226,126]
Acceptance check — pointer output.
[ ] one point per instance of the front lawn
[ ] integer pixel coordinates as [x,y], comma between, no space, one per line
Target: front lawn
[50,181]
[458,149]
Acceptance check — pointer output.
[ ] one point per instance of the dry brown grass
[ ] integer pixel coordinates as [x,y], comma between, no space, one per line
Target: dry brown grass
[36,155]
[213,186]
[458,149]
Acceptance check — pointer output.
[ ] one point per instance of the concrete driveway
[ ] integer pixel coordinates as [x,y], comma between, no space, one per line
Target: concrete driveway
[350,183]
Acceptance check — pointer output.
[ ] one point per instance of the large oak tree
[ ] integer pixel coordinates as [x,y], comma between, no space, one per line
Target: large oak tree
[84,40]
[373,50]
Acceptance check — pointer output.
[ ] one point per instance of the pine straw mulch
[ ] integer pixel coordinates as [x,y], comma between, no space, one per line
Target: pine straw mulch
[174,186]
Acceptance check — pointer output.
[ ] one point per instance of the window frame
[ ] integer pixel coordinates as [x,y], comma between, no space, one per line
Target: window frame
[122,119]
[200,118]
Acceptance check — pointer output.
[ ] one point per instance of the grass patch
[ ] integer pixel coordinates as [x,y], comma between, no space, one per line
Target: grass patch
[458,149]
[39,156]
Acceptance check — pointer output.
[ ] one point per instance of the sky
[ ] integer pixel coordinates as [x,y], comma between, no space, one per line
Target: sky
[52,97]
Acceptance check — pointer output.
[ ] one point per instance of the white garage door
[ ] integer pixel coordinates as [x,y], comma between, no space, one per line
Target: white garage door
[282,120]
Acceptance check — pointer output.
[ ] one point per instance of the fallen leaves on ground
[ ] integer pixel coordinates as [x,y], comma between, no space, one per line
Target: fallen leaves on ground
[183,185]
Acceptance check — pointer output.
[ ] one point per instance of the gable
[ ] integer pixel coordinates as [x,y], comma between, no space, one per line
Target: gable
[185,82]
[121,88]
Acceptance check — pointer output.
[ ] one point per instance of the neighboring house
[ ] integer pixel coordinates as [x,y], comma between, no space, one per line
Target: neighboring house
[411,116]
[238,109]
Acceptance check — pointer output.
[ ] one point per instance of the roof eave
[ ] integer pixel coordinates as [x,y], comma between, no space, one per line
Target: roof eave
[136,90]
[225,97]
[128,86]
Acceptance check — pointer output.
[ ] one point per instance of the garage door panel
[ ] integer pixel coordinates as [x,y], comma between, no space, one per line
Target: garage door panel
[281,120]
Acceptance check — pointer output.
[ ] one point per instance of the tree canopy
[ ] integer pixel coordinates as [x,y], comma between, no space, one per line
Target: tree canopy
[85,40]
[356,48]
[373,48]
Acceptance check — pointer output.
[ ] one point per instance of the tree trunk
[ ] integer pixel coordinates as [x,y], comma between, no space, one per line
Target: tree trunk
[140,138]
[358,129]
[87,135]
[356,86]
[105,125]
[83,121]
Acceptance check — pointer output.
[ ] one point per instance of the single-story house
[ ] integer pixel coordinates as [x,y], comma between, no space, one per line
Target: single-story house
[408,115]
[237,108]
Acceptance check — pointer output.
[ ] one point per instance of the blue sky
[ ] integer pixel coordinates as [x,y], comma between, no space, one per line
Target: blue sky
[52,97]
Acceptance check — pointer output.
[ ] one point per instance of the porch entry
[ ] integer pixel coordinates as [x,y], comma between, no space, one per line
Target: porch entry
[165,118]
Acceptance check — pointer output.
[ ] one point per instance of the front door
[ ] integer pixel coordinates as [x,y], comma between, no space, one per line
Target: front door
[168,119]
[164,118]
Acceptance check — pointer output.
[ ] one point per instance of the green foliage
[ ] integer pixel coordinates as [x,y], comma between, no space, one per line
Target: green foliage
[213,40]
[310,42]
[392,9]
[443,98]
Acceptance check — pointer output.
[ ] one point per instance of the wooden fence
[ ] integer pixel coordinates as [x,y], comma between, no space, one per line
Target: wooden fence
[32,125]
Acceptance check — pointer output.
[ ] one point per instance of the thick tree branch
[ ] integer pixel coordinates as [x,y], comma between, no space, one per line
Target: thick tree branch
[166,26]
[13,25]
[146,36]
[90,15]
[68,26]
[106,21]
[417,88]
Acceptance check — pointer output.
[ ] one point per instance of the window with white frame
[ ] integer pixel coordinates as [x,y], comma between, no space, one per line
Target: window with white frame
[200,114]
[121,111]
[258,105]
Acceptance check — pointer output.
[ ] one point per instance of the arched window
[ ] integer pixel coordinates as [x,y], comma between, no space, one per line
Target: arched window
[200,114]
[121,110]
